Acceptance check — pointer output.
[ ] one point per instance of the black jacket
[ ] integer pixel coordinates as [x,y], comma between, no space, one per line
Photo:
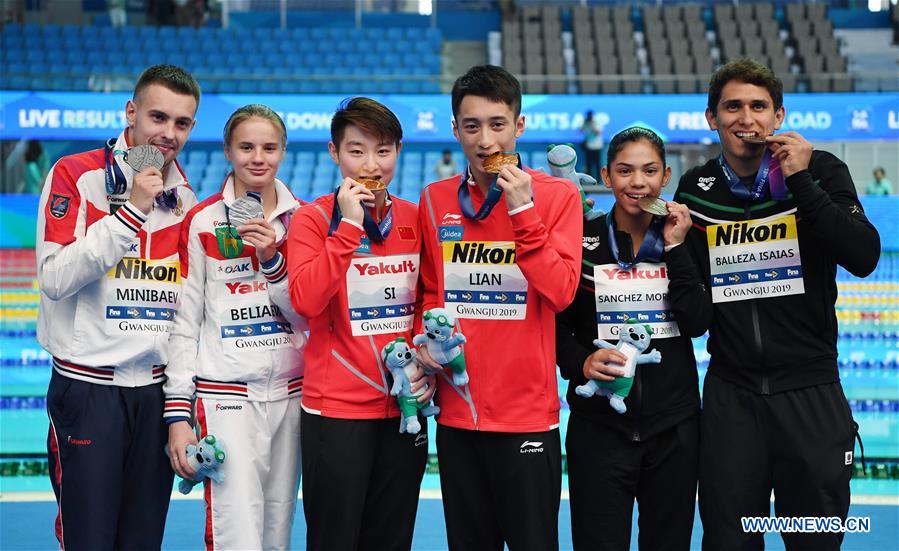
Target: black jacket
[663,394]
[770,345]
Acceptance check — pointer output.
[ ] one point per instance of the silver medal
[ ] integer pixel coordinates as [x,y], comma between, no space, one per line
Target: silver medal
[140,157]
[243,209]
[653,205]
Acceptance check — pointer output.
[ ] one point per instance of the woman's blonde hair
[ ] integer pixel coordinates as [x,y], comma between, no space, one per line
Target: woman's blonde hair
[254,110]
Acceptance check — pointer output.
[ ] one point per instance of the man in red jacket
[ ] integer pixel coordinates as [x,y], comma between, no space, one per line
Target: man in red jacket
[501,252]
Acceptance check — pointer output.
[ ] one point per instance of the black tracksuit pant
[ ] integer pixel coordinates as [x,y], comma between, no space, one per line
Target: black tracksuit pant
[361,480]
[607,471]
[799,443]
[500,487]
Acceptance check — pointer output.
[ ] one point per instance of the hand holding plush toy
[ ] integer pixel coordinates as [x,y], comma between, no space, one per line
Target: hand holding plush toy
[400,361]
[206,459]
[444,346]
[633,341]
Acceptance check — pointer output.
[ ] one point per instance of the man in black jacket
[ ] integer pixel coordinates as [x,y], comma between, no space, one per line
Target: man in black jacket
[772,220]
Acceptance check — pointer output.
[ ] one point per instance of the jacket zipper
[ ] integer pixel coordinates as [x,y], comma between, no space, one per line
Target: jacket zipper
[756,330]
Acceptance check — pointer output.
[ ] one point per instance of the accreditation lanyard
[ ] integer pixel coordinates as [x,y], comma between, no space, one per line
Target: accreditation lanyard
[494,192]
[650,250]
[768,179]
[375,231]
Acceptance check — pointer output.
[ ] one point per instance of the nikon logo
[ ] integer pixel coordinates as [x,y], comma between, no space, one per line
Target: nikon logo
[480,253]
[742,232]
[142,269]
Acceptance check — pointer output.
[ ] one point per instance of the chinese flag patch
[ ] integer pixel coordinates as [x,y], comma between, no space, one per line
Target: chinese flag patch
[407,233]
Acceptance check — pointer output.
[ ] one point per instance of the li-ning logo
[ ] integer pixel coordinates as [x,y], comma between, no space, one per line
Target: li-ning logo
[450,219]
[706,184]
[531,447]
[848,458]
[222,407]
[420,439]
[79,441]
[590,243]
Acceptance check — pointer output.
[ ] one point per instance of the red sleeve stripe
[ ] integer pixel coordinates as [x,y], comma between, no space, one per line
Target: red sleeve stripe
[277,272]
[130,218]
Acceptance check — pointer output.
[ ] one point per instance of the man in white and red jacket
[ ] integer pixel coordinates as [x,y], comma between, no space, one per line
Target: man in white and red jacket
[502,253]
[107,253]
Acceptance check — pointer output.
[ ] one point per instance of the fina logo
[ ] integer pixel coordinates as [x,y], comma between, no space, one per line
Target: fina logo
[531,447]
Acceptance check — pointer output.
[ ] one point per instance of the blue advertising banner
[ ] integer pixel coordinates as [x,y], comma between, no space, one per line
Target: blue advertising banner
[427,118]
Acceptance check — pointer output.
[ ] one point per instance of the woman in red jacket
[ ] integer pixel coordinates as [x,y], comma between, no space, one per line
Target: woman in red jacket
[353,271]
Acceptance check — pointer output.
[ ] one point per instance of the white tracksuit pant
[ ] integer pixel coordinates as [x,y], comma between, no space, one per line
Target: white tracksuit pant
[253,507]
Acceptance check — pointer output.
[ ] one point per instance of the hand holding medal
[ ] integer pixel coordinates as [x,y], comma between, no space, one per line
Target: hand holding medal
[244,209]
[247,215]
[147,162]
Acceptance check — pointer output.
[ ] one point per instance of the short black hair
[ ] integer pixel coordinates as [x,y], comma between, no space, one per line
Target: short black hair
[634,134]
[491,82]
[172,77]
[749,71]
[368,115]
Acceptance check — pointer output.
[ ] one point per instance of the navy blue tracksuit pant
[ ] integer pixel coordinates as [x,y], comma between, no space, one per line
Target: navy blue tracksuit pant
[109,471]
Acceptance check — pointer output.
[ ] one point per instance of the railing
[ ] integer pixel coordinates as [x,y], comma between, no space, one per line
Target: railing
[646,84]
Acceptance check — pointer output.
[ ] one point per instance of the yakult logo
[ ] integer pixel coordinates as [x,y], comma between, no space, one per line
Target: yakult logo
[238,288]
[635,273]
[406,266]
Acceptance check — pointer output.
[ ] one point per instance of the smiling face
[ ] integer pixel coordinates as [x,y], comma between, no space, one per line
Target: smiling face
[484,127]
[362,155]
[160,117]
[256,150]
[636,171]
[744,110]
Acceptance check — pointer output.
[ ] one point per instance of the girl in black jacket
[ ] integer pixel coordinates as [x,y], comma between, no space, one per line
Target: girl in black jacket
[633,269]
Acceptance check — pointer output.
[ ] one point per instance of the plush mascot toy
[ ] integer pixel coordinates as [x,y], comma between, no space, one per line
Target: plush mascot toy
[633,341]
[562,162]
[400,361]
[206,459]
[444,346]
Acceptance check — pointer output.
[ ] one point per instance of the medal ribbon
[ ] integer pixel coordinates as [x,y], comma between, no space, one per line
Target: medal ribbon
[376,232]
[650,250]
[768,180]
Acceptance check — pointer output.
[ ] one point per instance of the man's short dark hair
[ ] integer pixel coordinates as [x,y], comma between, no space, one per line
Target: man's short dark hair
[368,115]
[172,77]
[749,71]
[491,82]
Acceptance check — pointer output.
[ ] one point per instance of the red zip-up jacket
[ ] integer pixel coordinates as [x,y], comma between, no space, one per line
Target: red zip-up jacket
[345,377]
[511,364]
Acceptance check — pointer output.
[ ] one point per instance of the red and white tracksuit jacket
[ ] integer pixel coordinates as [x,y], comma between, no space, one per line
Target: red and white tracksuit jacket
[511,363]
[237,346]
[347,285]
[109,275]
[236,331]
